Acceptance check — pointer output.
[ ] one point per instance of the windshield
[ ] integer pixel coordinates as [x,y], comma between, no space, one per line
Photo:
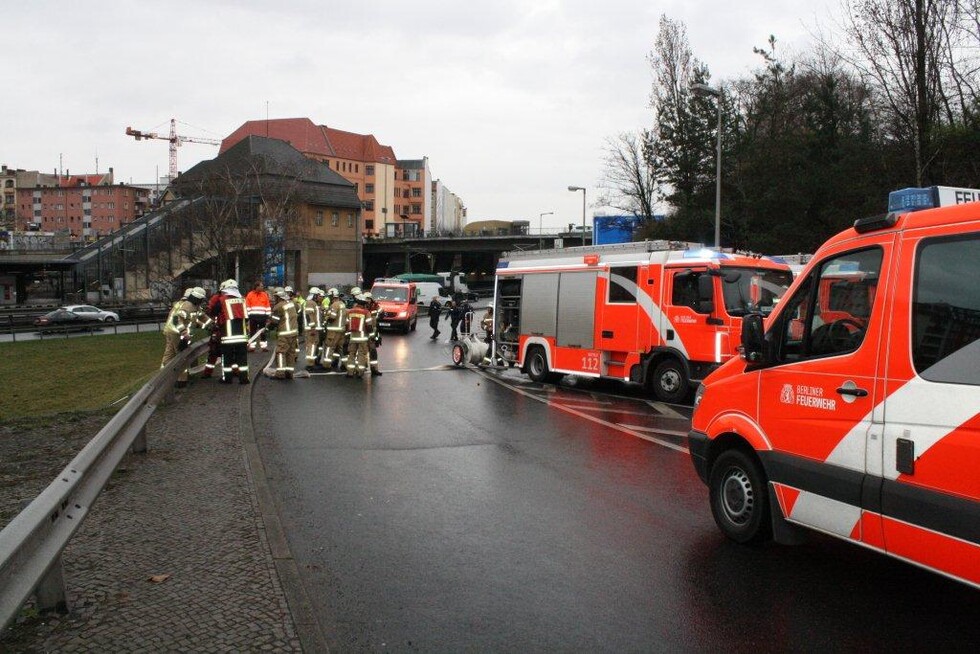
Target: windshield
[390,293]
[753,289]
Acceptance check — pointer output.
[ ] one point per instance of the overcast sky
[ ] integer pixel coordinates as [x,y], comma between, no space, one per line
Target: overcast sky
[510,100]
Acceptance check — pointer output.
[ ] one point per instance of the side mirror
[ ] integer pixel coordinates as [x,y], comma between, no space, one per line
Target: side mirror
[706,294]
[753,343]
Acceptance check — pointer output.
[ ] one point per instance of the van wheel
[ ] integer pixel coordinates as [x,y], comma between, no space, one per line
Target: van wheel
[669,382]
[739,497]
[414,323]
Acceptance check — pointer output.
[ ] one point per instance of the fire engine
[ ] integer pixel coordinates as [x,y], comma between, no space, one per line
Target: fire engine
[854,409]
[654,312]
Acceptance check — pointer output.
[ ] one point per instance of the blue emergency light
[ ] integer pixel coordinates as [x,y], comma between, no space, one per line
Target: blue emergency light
[913,199]
[705,253]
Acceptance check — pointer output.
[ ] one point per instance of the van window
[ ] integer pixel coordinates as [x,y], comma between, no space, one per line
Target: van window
[946,311]
[390,293]
[829,312]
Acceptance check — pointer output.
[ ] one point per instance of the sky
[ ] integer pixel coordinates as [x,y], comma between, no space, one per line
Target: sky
[511,100]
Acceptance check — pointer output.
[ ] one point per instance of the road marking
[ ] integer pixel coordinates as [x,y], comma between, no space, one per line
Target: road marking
[656,430]
[431,369]
[666,410]
[580,414]
[590,407]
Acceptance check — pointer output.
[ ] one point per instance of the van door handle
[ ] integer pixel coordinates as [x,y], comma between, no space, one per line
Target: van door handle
[855,391]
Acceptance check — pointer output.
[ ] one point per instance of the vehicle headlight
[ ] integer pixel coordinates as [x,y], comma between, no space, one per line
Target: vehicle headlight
[403,314]
[699,394]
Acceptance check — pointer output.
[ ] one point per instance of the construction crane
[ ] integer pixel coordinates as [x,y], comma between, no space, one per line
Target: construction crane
[176,140]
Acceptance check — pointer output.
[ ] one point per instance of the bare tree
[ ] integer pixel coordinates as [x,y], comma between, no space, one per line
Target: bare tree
[628,182]
[906,56]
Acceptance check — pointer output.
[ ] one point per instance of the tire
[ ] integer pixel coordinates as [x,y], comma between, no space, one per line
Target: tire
[739,497]
[537,367]
[459,356]
[669,382]
[109,319]
[415,323]
[407,328]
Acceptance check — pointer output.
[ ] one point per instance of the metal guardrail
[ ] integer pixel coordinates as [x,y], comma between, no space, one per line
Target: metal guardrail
[31,545]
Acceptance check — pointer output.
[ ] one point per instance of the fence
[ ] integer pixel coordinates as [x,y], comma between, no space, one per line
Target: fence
[31,545]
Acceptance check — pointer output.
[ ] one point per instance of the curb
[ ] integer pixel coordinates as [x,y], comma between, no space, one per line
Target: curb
[308,629]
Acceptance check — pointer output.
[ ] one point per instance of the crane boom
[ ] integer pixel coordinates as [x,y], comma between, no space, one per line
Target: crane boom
[176,140]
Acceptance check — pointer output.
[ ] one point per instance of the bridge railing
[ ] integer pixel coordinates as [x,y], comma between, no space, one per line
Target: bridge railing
[32,544]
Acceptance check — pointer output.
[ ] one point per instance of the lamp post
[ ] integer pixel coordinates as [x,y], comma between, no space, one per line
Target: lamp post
[710,90]
[541,228]
[581,188]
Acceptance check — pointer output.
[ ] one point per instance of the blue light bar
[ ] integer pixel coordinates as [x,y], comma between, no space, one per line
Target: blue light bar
[704,253]
[913,199]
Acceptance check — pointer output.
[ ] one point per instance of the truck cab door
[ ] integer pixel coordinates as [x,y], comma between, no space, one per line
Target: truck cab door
[930,500]
[686,327]
[817,395]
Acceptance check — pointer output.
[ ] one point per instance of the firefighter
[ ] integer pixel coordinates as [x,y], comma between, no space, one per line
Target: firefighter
[374,341]
[286,323]
[231,323]
[214,340]
[313,314]
[336,321]
[358,330]
[259,308]
[487,325]
[345,345]
[177,330]
[299,304]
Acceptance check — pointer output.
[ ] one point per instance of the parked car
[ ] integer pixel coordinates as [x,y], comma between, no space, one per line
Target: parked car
[63,318]
[88,311]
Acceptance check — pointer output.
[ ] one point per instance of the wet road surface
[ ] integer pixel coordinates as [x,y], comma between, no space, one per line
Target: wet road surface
[443,509]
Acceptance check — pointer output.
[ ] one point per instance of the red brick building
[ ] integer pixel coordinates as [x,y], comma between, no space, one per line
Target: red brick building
[85,205]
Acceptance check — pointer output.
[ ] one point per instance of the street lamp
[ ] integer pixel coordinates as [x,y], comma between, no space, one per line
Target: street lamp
[581,188]
[541,228]
[710,90]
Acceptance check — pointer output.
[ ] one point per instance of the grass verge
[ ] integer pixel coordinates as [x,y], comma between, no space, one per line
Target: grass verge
[76,374]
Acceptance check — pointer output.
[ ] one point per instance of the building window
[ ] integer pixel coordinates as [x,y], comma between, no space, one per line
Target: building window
[369,205]
[368,224]
[319,219]
[350,220]
[369,170]
[416,192]
[334,219]
[369,188]
[398,209]
[416,208]
[357,168]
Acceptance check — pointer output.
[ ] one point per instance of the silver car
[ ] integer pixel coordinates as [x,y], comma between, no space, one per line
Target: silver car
[93,313]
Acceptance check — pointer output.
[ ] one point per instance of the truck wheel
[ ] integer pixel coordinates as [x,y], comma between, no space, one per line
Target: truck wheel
[739,497]
[537,365]
[669,382]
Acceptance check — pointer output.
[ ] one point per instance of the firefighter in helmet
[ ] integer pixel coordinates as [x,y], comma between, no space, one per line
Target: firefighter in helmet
[336,325]
[345,346]
[285,321]
[313,315]
[231,323]
[374,342]
[359,332]
[177,330]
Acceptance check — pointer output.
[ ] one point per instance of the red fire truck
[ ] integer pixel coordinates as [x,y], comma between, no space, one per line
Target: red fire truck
[855,410]
[658,313]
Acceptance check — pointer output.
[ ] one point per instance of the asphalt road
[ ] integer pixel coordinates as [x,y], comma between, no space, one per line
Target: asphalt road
[441,509]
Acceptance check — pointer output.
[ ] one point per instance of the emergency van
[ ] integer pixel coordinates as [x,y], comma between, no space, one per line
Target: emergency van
[658,313]
[397,300]
[854,409]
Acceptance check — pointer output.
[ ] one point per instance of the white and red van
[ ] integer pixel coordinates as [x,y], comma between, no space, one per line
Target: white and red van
[397,300]
[655,312]
[855,407]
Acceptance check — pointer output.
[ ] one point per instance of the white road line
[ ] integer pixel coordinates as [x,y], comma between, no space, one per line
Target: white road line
[431,369]
[580,414]
[600,408]
[666,410]
[656,430]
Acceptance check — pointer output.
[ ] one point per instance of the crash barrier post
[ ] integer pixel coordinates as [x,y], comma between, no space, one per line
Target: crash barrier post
[31,545]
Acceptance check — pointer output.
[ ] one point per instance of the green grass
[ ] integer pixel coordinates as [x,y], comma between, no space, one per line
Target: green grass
[77,374]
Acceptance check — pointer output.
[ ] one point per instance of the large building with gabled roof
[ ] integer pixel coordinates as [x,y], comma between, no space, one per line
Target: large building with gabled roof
[395,195]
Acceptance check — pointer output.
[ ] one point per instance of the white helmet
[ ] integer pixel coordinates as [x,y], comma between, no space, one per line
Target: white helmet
[228,283]
[316,291]
[197,292]
[355,291]
[188,291]
[367,296]
[282,293]
[333,292]
[289,289]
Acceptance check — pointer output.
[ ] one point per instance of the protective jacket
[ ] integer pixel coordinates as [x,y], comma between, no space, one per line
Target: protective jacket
[284,318]
[230,319]
[181,318]
[313,315]
[359,324]
[336,318]
[258,305]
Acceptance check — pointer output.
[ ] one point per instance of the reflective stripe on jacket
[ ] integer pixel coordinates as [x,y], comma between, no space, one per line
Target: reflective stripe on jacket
[313,316]
[232,320]
[257,304]
[359,324]
[284,319]
[337,316]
